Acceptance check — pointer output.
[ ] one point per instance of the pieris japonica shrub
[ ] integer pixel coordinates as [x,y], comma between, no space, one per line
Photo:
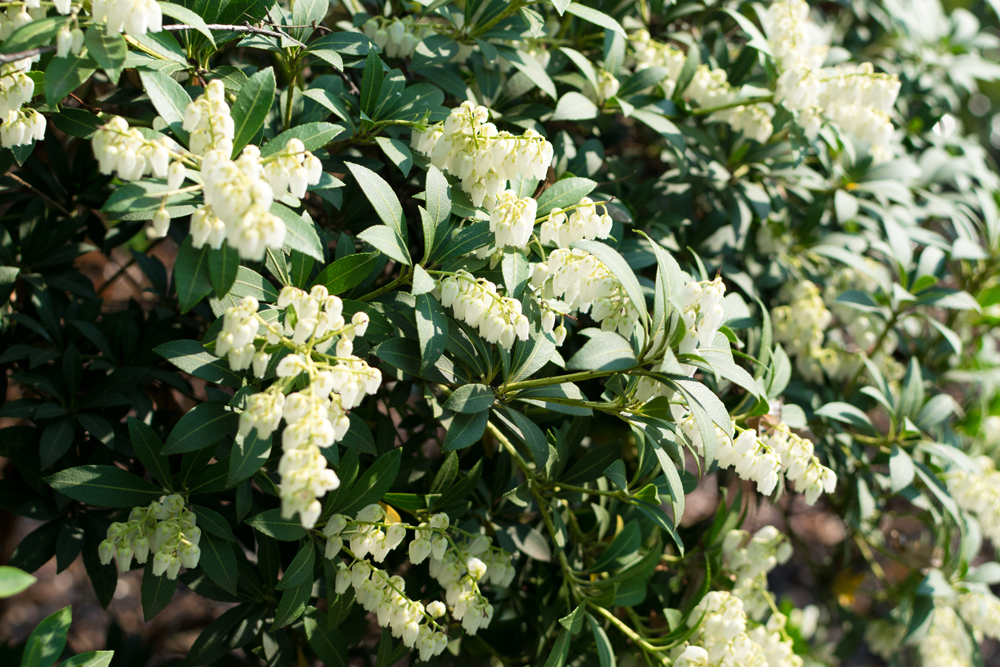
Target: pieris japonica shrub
[492,332]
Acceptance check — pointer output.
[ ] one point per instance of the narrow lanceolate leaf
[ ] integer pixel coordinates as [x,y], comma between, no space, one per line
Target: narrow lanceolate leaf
[567,192]
[381,196]
[64,75]
[13,581]
[48,640]
[233,630]
[109,51]
[292,604]
[432,330]
[326,641]
[156,592]
[271,524]
[465,430]
[104,486]
[525,431]
[148,447]
[371,82]
[385,239]
[605,351]
[185,15]
[300,234]
[218,561]
[223,264]
[596,17]
[169,98]
[374,483]
[190,357]
[301,568]
[192,276]
[204,425]
[251,106]
[347,272]
[249,454]
[605,653]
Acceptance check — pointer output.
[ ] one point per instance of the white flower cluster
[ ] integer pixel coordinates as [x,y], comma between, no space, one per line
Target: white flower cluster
[647,53]
[135,17]
[883,637]
[751,459]
[749,560]
[979,492]
[481,156]
[209,121]
[396,37]
[724,640]
[981,610]
[587,285]
[946,643]
[583,223]
[710,88]
[316,417]
[166,529]
[293,170]
[799,463]
[801,328]
[458,570]
[852,96]
[69,42]
[125,150]
[476,302]
[513,220]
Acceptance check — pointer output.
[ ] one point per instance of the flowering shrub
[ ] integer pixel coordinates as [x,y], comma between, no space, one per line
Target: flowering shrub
[523,332]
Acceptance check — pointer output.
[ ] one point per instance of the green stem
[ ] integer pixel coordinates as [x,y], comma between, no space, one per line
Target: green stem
[741,102]
[401,280]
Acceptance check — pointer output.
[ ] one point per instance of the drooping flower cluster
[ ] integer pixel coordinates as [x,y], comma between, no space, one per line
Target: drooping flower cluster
[484,158]
[852,96]
[980,609]
[477,303]
[979,492]
[749,560]
[513,220]
[650,53]
[724,638]
[316,416]
[710,89]
[801,328]
[396,37]
[751,459]
[946,643]
[799,463]
[582,223]
[69,41]
[586,285]
[125,150]
[209,121]
[166,528]
[456,566]
[134,17]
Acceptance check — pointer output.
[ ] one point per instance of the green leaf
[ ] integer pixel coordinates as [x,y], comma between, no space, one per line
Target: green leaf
[605,351]
[202,426]
[374,483]
[660,518]
[300,233]
[156,592]
[57,438]
[64,75]
[148,448]
[251,107]
[233,630]
[13,581]
[213,522]
[437,199]
[90,659]
[471,238]
[222,267]
[526,431]
[37,33]
[596,17]
[104,486]
[382,198]
[292,604]
[273,525]
[465,430]
[192,276]
[470,399]
[560,650]
[301,568]
[574,620]
[312,135]
[109,51]
[901,470]
[593,464]
[371,82]
[398,152]
[660,124]
[422,282]
[385,239]
[574,106]
[169,98]
[605,653]
[249,455]
[624,549]
[185,15]
[847,414]
[516,271]
[567,192]
[347,272]
[757,39]
[48,640]
[326,640]
[530,67]
[616,473]
[432,330]
[621,270]
[218,561]
[190,357]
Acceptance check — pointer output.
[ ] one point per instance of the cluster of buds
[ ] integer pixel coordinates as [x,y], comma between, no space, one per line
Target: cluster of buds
[582,223]
[477,303]
[799,463]
[69,41]
[125,150]
[396,37]
[316,417]
[586,285]
[134,17]
[749,560]
[750,458]
[978,491]
[647,53]
[166,528]
[209,121]
[368,534]
[293,170]
[481,156]
[513,220]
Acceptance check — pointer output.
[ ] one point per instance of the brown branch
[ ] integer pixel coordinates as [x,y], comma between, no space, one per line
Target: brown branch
[21,55]
[247,28]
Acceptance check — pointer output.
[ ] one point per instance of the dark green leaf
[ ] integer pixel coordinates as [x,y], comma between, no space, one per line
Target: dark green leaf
[249,454]
[301,568]
[104,486]
[218,561]
[605,351]
[271,524]
[156,592]
[347,272]
[252,104]
[465,430]
[204,425]
[47,640]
